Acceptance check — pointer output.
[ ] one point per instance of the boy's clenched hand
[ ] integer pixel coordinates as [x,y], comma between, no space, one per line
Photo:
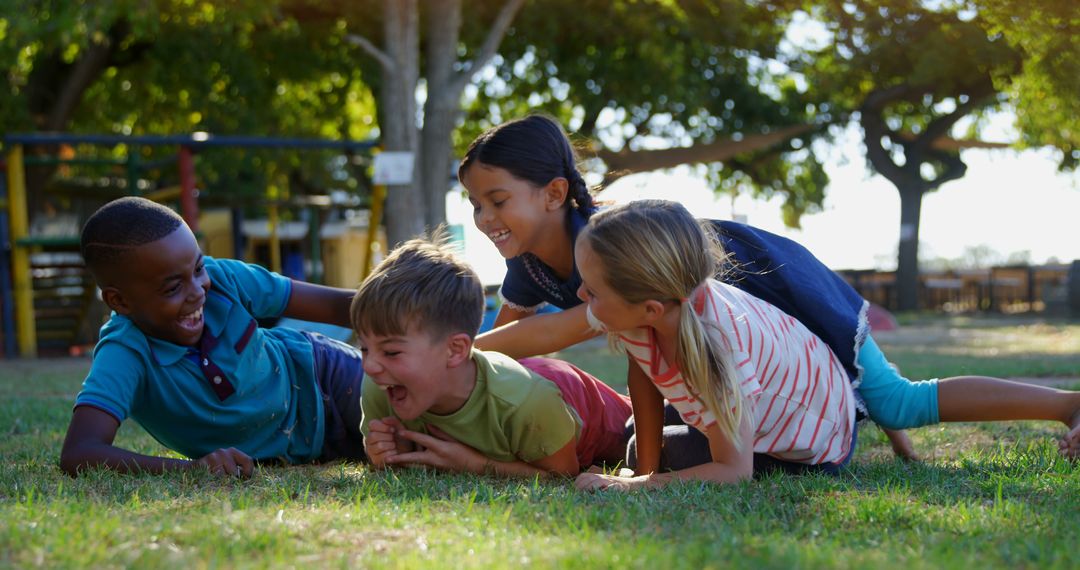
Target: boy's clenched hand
[229,462]
[383,441]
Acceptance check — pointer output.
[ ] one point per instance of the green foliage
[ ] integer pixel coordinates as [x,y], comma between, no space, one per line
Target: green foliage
[1044,93]
[643,74]
[634,74]
[179,66]
[925,64]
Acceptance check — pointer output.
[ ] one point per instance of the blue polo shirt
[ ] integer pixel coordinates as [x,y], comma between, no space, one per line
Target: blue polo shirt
[243,386]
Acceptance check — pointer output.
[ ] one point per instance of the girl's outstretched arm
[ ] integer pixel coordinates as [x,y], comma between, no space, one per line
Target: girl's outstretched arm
[728,465]
[538,334]
[508,314]
[648,406]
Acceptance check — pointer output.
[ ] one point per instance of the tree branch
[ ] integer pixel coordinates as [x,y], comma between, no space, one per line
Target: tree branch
[81,75]
[871,117]
[874,128]
[642,128]
[877,100]
[951,144]
[588,123]
[491,43]
[366,45]
[941,126]
[625,161]
[955,168]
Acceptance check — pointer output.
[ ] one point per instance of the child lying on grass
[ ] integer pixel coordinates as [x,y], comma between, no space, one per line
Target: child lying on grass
[765,391]
[183,355]
[432,399]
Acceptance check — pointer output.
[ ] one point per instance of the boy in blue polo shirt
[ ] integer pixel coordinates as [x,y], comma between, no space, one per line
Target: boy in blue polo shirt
[183,355]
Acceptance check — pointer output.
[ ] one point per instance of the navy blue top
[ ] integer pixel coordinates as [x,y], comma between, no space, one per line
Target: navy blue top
[530,283]
[770,267]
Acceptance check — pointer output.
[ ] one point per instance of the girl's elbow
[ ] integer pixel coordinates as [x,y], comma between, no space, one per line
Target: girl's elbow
[744,473]
[568,471]
[744,469]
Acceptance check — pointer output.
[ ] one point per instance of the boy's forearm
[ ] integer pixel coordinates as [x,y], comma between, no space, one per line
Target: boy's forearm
[512,469]
[121,460]
[319,303]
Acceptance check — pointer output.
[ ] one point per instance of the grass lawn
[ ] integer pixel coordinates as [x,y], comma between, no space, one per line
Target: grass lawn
[989,495]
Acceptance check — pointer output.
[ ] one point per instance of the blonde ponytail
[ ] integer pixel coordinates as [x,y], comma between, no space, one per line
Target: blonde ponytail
[655,250]
[709,373]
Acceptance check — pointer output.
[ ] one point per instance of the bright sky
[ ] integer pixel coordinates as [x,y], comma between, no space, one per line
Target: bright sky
[1008,201]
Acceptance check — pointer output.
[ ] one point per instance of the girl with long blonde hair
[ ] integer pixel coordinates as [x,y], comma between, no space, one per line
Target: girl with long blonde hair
[765,391]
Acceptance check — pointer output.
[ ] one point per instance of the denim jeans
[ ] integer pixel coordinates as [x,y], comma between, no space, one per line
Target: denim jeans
[339,372]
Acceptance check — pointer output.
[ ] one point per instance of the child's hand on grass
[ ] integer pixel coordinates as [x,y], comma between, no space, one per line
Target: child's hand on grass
[1069,445]
[589,481]
[383,441]
[441,451]
[621,472]
[229,462]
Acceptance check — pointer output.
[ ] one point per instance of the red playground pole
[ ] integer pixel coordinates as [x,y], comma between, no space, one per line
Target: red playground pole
[189,196]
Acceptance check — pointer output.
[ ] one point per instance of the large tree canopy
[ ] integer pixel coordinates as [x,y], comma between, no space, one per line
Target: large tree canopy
[668,75]
[673,74]
[653,85]
[644,84]
[912,73]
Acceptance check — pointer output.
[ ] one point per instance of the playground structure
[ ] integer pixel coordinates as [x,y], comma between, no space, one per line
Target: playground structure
[33,295]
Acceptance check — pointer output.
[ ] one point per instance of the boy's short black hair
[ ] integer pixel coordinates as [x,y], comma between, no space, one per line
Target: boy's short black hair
[122,225]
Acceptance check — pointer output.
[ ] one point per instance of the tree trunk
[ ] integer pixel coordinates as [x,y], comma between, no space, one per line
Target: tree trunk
[907,177]
[442,107]
[404,204]
[907,269]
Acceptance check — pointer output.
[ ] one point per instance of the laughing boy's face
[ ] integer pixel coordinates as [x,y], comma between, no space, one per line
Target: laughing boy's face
[163,287]
[410,368]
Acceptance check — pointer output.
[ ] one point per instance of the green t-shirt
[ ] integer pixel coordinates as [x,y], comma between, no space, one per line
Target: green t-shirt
[512,413]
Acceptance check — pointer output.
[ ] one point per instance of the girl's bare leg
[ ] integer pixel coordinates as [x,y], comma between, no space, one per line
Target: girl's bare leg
[982,398]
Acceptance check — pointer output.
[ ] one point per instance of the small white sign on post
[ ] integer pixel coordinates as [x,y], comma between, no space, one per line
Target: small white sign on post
[393,168]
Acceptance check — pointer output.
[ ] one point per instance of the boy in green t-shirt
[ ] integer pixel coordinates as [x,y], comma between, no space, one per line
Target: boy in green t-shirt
[432,399]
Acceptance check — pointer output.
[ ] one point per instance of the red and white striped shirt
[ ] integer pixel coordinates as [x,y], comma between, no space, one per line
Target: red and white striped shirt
[801,400]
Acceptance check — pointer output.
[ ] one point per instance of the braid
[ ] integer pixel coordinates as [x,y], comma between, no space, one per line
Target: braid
[579,193]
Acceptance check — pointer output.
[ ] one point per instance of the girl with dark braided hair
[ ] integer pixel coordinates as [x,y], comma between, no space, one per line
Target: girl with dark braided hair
[530,199]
